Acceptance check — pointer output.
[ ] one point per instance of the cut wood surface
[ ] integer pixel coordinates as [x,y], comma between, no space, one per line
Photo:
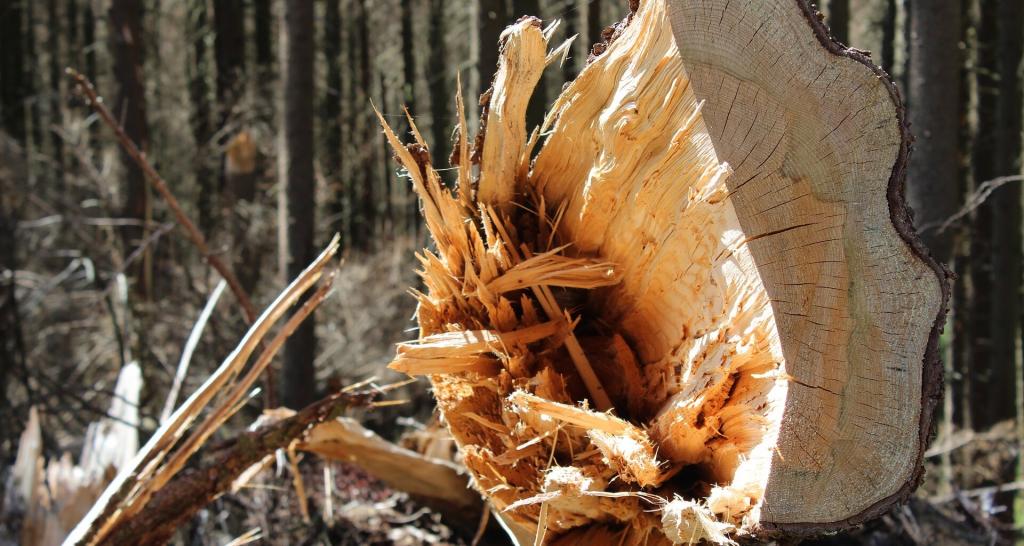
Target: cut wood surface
[819,146]
[748,322]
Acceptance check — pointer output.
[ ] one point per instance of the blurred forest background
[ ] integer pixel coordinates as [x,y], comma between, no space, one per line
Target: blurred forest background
[257,114]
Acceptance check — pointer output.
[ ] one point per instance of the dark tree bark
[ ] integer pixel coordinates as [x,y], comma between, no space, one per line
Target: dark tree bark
[492,17]
[297,376]
[873,28]
[14,88]
[263,33]
[839,20]
[202,123]
[74,49]
[409,96]
[440,88]
[229,52]
[571,20]
[34,110]
[331,116]
[229,56]
[89,39]
[125,19]
[53,34]
[355,99]
[367,205]
[996,240]
[933,98]
[386,222]
[595,23]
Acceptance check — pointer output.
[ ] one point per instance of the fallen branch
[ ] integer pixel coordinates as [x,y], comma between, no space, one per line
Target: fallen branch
[196,236]
[193,489]
[166,453]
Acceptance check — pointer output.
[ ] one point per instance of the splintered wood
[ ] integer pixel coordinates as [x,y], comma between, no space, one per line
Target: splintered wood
[600,341]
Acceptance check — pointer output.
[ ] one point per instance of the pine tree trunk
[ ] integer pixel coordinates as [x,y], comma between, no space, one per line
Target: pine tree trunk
[356,101]
[331,117]
[229,56]
[409,98]
[368,146]
[14,89]
[297,386]
[263,18]
[595,23]
[492,17]
[440,90]
[839,20]
[934,107]
[202,124]
[56,119]
[91,70]
[125,19]
[571,20]
[229,52]
[32,78]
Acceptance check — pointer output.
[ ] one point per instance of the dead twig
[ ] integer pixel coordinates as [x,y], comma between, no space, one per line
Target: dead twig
[191,230]
[973,201]
[193,489]
[196,236]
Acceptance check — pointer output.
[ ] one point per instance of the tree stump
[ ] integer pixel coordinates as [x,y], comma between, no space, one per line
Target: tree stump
[700,311]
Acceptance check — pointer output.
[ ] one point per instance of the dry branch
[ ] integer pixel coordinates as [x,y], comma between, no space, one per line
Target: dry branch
[166,452]
[196,236]
[192,231]
[194,488]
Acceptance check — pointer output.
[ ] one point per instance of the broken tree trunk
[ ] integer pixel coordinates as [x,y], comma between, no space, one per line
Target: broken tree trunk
[700,312]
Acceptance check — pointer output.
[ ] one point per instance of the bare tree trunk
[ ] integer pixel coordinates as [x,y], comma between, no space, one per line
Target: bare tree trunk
[355,100]
[595,23]
[14,88]
[839,20]
[229,52]
[409,96]
[199,94]
[368,146]
[263,32]
[1005,319]
[571,20]
[125,18]
[53,34]
[331,116]
[91,71]
[991,365]
[229,56]
[440,88]
[492,16]
[297,182]
[935,116]
[34,111]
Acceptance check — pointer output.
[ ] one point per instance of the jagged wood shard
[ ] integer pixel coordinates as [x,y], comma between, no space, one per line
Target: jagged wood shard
[701,313]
